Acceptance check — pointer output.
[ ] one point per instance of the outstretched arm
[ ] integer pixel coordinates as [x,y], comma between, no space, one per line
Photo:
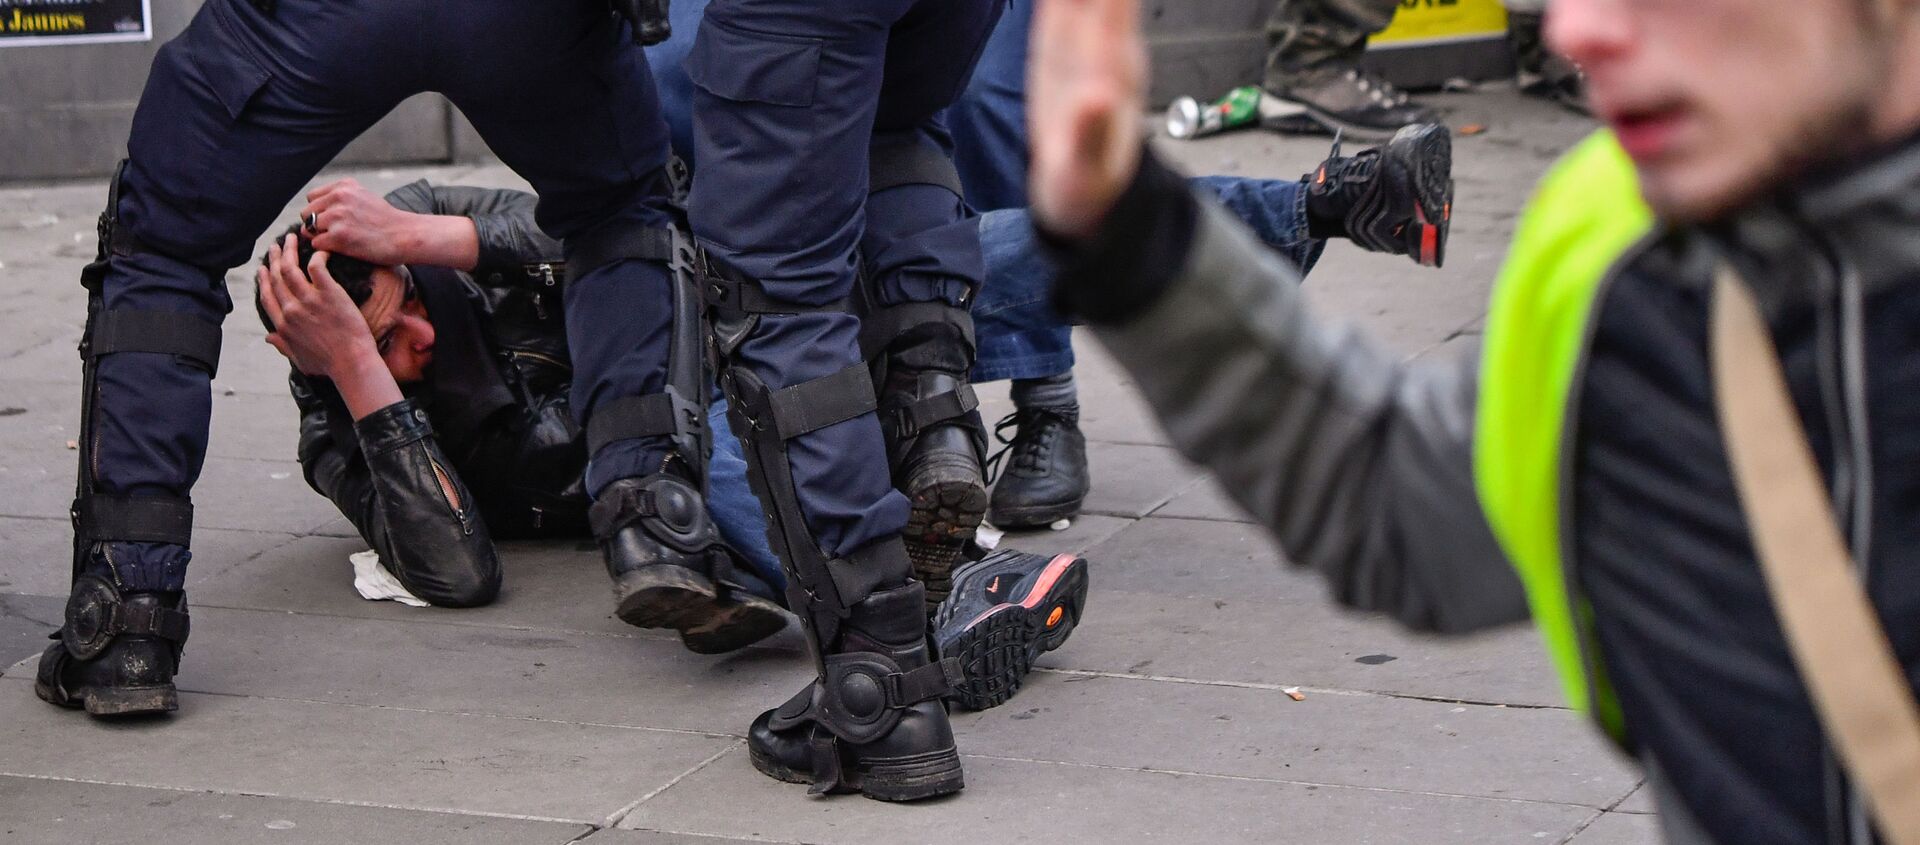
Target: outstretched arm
[1360,464]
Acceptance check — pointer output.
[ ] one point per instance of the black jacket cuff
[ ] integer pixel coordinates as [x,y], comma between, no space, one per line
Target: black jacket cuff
[1140,249]
[392,427]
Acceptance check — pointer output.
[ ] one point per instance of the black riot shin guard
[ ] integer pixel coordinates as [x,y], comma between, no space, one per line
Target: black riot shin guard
[668,565]
[873,720]
[117,654]
[920,355]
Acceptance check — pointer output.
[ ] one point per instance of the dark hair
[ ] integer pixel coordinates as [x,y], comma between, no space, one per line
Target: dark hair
[353,274]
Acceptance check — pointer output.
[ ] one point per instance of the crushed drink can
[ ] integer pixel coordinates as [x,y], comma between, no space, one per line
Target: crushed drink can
[1187,118]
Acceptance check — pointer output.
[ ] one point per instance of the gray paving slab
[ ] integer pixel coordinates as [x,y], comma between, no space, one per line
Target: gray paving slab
[614,836]
[1205,500]
[259,495]
[1621,829]
[1313,644]
[431,660]
[39,553]
[48,812]
[25,622]
[560,586]
[1132,479]
[1641,801]
[1083,532]
[1024,801]
[410,759]
[1352,740]
[239,493]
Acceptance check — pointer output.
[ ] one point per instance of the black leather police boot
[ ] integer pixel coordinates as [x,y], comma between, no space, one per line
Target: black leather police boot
[1396,198]
[939,465]
[1045,476]
[670,569]
[117,653]
[876,724]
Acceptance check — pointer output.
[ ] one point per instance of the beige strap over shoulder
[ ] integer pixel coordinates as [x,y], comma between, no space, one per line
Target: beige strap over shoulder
[1865,703]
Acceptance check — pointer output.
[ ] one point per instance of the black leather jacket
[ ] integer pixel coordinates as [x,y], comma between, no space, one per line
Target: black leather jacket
[488,433]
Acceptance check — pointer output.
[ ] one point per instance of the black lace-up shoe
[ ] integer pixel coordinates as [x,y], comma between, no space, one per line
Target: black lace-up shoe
[1006,610]
[1044,478]
[1397,198]
[1350,100]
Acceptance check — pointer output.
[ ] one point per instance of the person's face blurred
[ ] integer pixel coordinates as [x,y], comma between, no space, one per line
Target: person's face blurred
[1718,100]
[399,324]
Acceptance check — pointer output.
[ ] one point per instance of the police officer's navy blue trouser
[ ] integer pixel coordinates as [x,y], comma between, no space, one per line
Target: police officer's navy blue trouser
[788,97]
[245,106]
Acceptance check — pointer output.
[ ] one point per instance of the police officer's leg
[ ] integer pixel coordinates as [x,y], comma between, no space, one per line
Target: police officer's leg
[220,142]
[922,262]
[786,93]
[573,109]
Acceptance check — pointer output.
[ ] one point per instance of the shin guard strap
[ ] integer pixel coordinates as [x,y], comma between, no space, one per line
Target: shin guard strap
[656,414]
[815,404]
[913,417]
[162,332]
[103,517]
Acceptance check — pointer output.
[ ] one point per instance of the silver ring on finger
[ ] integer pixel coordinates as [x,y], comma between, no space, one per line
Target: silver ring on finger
[313,221]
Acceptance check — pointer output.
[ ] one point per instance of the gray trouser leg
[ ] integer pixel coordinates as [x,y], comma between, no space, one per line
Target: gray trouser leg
[1305,35]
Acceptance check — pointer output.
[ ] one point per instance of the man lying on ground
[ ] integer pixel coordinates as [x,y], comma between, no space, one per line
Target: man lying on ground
[1583,449]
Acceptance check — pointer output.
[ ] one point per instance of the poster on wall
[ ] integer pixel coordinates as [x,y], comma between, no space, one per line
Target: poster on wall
[35,23]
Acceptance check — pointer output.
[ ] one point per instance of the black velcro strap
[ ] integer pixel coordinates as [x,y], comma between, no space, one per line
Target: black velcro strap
[163,332]
[630,416]
[879,327]
[818,403]
[910,419]
[590,253]
[145,620]
[910,162]
[128,519]
[934,680]
[729,293]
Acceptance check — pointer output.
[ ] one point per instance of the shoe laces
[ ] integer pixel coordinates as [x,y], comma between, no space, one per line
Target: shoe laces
[1376,87]
[1337,170]
[1035,431]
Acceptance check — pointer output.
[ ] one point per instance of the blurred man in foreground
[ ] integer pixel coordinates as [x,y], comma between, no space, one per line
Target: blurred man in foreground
[1584,449]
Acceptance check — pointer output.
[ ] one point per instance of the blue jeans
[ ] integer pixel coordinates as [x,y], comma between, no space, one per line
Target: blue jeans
[1019,333]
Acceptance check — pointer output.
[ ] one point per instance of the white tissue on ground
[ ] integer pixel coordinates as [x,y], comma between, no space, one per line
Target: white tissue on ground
[988,537]
[375,583]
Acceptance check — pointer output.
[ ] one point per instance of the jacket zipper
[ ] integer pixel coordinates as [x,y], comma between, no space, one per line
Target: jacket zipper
[450,495]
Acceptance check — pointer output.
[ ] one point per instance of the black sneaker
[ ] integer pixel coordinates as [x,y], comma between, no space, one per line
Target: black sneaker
[1396,198]
[1005,611]
[1044,479]
[1349,100]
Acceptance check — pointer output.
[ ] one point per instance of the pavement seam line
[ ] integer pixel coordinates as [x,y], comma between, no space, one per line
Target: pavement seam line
[249,793]
[1257,779]
[622,813]
[455,623]
[1581,828]
[432,712]
[1270,687]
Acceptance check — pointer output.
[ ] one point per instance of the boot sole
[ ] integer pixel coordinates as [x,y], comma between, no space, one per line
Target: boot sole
[675,597]
[945,515]
[113,702]
[997,649]
[914,778]
[1430,166]
[1313,120]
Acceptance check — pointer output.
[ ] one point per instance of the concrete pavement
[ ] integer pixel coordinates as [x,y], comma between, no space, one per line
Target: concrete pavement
[310,716]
